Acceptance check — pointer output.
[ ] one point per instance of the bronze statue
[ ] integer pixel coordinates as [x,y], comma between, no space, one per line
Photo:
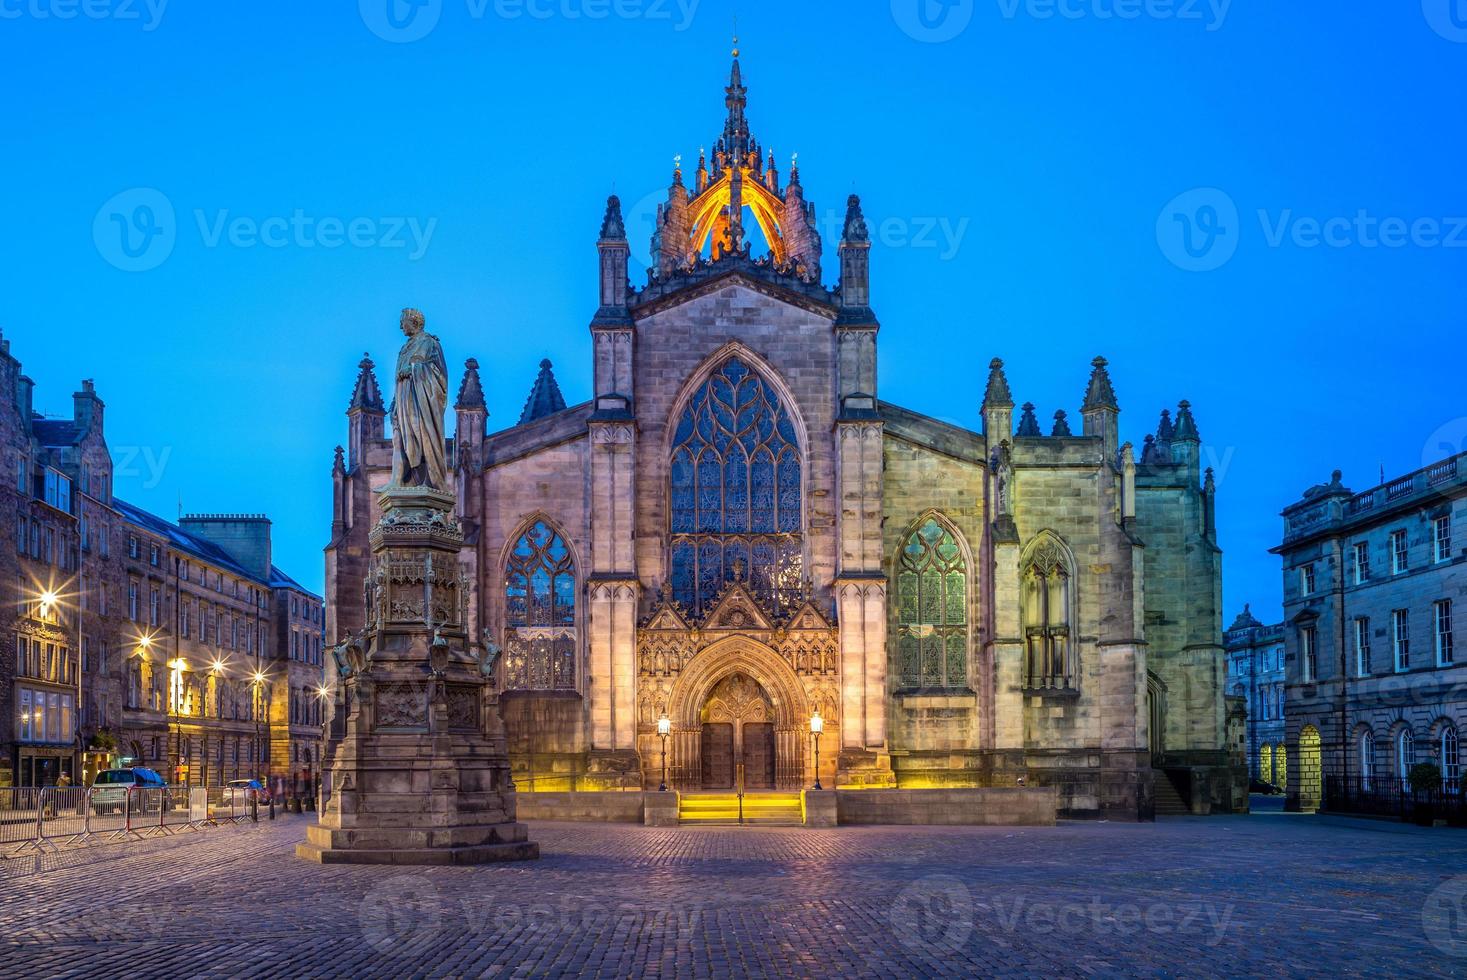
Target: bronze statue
[419,448]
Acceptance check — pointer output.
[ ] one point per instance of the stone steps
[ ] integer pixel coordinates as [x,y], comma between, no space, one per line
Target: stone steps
[722,809]
[1169,802]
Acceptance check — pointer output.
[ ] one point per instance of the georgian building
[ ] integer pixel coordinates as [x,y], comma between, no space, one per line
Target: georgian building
[136,641]
[736,533]
[1372,587]
[1256,673]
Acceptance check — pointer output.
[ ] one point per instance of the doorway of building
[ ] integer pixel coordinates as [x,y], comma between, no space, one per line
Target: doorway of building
[718,755]
[738,730]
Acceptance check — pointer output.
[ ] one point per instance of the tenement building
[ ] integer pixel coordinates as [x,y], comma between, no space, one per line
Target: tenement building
[1256,674]
[735,535]
[1370,582]
[132,640]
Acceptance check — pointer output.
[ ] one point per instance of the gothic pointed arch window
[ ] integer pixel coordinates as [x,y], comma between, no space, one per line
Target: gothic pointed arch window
[540,612]
[736,492]
[1049,603]
[932,622]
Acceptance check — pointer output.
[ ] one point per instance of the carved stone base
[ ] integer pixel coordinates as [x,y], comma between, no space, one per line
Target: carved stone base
[419,846]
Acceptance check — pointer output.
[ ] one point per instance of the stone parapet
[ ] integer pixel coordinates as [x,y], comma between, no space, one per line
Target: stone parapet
[998,806]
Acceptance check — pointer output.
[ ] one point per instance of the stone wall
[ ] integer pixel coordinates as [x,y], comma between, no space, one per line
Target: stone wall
[998,807]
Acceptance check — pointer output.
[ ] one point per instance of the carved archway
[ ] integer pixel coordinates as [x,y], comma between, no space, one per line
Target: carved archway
[789,708]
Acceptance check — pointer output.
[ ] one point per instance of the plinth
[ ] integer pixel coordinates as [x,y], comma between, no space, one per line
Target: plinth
[421,775]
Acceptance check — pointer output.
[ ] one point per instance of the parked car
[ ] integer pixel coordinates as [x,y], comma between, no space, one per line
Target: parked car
[1259,786]
[243,791]
[110,789]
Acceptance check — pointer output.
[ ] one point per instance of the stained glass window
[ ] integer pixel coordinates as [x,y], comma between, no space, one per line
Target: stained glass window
[540,613]
[932,610]
[735,492]
[1047,604]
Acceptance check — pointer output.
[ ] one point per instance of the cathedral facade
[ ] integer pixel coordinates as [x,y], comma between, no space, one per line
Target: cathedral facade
[735,534]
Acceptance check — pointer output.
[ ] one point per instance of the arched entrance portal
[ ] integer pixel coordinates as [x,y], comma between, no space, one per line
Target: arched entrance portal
[738,730]
[738,703]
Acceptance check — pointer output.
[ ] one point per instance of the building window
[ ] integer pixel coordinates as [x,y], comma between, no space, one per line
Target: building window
[1405,752]
[1048,601]
[1362,563]
[132,601]
[1309,653]
[1306,579]
[1401,638]
[1367,758]
[1451,759]
[1442,538]
[736,493]
[132,546]
[153,555]
[1400,560]
[932,609]
[154,606]
[1362,647]
[540,613]
[1444,652]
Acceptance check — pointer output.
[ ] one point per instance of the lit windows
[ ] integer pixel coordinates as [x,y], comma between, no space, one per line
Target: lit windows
[1451,758]
[932,610]
[736,493]
[1367,758]
[540,639]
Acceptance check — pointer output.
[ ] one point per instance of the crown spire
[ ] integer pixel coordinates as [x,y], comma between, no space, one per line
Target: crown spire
[998,394]
[1028,423]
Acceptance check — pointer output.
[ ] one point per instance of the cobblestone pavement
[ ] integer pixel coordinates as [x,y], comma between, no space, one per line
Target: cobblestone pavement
[1280,895]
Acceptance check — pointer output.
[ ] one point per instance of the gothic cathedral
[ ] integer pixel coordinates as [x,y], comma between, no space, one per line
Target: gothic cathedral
[735,534]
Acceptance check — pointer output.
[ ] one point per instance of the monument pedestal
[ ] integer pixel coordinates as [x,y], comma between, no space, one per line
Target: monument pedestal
[421,775]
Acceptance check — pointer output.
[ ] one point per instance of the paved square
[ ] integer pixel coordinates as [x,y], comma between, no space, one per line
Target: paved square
[1261,895]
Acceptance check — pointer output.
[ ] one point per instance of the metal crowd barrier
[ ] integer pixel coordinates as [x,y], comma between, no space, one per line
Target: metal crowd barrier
[53,817]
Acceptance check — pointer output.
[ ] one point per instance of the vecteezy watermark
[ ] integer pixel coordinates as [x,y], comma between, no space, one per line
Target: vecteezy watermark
[1448,440]
[1444,916]
[932,21]
[400,911]
[1447,17]
[137,230]
[1211,13]
[938,914]
[147,463]
[301,230]
[403,915]
[148,13]
[1200,230]
[405,21]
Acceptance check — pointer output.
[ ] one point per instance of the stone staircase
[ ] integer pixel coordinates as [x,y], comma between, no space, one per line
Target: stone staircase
[1169,802]
[722,809]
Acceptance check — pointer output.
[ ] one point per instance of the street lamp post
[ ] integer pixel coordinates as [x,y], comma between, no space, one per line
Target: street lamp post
[664,729]
[175,710]
[257,683]
[817,725]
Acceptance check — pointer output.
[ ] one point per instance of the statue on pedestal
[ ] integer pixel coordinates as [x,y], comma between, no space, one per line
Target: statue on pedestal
[419,448]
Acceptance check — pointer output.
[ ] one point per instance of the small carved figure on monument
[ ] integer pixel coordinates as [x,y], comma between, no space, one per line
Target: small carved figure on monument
[489,657]
[1003,467]
[419,449]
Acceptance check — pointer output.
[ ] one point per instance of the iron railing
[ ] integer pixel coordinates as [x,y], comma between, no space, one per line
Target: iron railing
[1392,796]
[52,817]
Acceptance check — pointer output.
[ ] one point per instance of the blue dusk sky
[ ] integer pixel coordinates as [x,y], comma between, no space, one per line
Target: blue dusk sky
[215,208]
